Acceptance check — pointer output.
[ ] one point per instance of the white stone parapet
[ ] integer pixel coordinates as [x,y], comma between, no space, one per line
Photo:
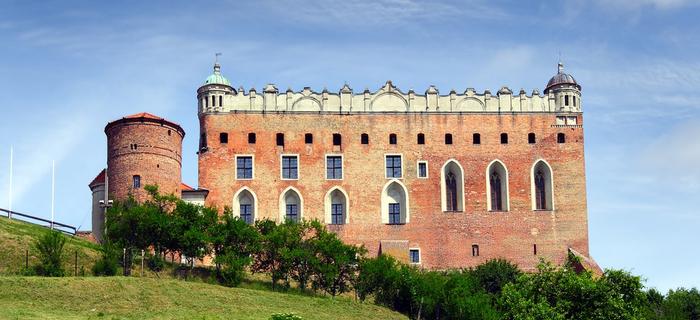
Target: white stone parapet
[387,99]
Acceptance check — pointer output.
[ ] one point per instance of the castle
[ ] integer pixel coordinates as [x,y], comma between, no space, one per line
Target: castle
[437,180]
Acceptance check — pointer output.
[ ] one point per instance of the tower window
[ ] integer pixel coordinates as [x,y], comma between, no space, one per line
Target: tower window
[251,138]
[422,169]
[364,138]
[206,102]
[448,138]
[531,138]
[290,167]
[223,137]
[476,138]
[337,139]
[202,141]
[566,100]
[393,166]
[221,101]
[334,167]
[308,138]
[504,138]
[213,101]
[414,256]
[421,138]
[475,250]
[137,182]
[169,132]
[574,100]
[280,139]
[534,249]
[392,138]
[561,138]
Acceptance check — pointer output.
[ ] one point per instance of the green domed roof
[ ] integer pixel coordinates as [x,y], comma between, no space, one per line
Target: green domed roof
[216,77]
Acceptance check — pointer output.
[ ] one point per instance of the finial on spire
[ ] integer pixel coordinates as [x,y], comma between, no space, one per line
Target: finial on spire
[560,67]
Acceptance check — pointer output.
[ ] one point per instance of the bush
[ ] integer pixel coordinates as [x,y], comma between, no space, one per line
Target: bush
[156,263]
[232,270]
[285,316]
[496,273]
[50,250]
[109,261]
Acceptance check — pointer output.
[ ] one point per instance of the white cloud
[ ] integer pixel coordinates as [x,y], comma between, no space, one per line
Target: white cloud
[658,4]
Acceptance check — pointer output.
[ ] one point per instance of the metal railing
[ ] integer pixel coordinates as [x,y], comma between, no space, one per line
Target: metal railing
[67,229]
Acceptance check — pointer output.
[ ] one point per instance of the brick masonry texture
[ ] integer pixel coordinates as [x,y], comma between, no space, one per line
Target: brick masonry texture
[444,238]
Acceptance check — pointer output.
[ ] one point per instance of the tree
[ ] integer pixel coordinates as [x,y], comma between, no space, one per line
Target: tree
[234,242]
[336,264]
[50,250]
[128,227]
[494,274]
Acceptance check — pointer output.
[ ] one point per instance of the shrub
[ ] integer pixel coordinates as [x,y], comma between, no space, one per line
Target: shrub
[156,263]
[496,273]
[50,250]
[232,270]
[109,261]
[285,316]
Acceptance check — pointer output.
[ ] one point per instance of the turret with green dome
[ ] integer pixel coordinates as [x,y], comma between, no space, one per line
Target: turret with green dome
[216,91]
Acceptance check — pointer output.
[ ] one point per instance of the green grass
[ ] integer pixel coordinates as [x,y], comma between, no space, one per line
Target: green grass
[149,298]
[16,237]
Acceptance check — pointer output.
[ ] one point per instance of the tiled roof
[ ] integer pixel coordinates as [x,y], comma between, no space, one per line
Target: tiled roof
[185,187]
[99,179]
[145,117]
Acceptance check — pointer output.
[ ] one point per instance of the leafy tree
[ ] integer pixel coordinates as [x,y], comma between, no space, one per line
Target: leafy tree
[682,304]
[466,299]
[235,243]
[336,264]
[494,274]
[50,250]
[128,227]
[108,262]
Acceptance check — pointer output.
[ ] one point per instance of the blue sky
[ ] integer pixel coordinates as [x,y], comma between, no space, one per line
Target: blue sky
[69,67]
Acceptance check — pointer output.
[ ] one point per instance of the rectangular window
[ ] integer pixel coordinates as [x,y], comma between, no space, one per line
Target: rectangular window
[292,212]
[337,213]
[337,139]
[566,100]
[414,256]
[392,138]
[394,213]
[137,182]
[422,169]
[476,138]
[290,169]
[247,213]
[448,138]
[364,138]
[280,139]
[393,166]
[223,137]
[251,138]
[571,121]
[421,138]
[244,167]
[308,138]
[475,250]
[334,167]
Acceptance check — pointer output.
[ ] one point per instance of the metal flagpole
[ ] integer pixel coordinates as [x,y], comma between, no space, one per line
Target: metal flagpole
[53,188]
[9,214]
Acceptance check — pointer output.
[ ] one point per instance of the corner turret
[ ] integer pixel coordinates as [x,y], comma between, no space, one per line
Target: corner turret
[565,91]
[214,93]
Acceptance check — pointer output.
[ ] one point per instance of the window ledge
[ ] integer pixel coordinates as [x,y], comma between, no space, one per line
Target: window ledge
[543,210]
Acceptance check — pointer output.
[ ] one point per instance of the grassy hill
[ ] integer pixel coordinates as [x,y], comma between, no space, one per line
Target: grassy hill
[149,298]
[17,236]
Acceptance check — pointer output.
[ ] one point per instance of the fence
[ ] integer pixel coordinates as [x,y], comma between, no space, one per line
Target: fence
[67,229]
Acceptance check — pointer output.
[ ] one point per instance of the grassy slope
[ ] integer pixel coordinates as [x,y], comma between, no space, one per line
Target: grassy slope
[144,298]
[16,237]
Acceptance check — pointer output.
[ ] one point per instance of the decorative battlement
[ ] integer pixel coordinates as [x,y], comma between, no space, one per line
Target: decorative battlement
[221,98]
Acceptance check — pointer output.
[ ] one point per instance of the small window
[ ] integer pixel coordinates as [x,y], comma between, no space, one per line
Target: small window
[251,138]
[202,141]
[394,213]
[206,102]
[422,169]
[223,137]
[566,100]
[364,138]
[290,167]
[308,138]
[337,213]
[213,101]
[574,100]
[531,138]
[534,249]
[221,101]
[280,139]
[393,166]
[337,139]
[561,138]
[476,138]
[392,138]
[169,132]
[244,167]
[448,138]
[414,256]
[334,167]
[475,250]
[137,182]
[421,138]
[504,138]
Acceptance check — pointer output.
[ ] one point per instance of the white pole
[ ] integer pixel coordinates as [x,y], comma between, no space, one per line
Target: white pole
[53,188]
[9,215]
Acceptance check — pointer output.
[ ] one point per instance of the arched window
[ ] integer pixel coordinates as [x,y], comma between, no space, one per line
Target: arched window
[336,206]
[475,250]
[221,101]
[421,138]
[504,138]
[392,138]
[452,186]
[476,138]
[245,202]
[337,139]
[448,138]
[531,138]
[541,186]
[395,203]
[206,102]
[561,138]
[213,101]
[364,138]
[497,184]
[291,205]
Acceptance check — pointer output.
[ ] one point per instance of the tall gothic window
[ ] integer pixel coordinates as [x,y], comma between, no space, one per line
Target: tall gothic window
[540,191]
[451,188]
[496,199]
[542,186]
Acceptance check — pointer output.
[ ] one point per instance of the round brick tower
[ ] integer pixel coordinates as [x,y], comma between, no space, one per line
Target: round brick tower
[143,149]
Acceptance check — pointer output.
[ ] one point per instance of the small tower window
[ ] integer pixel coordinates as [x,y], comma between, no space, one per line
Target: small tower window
[574,100]
[337,139]
[566,100]
[475,250]
[308,138]
[137,182]
[414,256]
[421,138]
[534,249]
[223,137]
[169,132]
[448,138]
[364,138]
[531,138]
[392,138]
[251,137]
[280,139]
[221,101]
[202,141]
[206,102]
[561,138]
[504,138]
[476,138]
[213,101]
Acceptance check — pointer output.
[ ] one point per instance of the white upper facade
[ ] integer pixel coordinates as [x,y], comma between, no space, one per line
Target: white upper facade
[563,97]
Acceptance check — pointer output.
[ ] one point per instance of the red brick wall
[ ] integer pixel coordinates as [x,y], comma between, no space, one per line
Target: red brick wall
[445,239]
[157,158]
